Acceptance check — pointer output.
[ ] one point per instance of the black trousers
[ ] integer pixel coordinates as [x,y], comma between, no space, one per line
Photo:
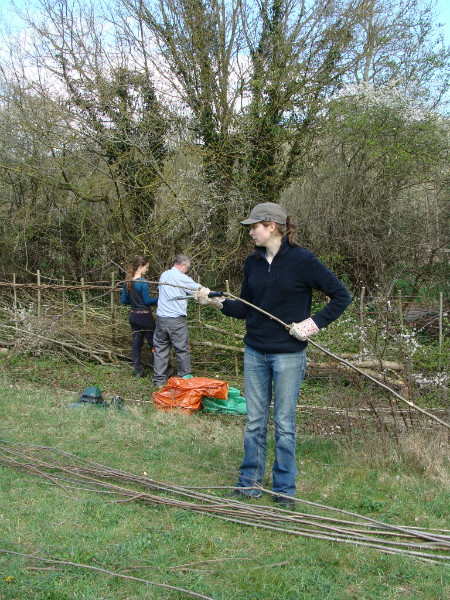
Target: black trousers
[142,327]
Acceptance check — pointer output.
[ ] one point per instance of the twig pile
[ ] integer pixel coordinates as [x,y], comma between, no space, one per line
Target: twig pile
[31,334]
[71,473]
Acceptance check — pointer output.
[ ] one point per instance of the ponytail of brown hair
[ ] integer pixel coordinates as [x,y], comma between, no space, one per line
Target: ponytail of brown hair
[290,231]
[138,261]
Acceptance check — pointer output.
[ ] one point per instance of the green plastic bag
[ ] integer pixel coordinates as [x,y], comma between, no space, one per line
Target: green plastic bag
[234,405]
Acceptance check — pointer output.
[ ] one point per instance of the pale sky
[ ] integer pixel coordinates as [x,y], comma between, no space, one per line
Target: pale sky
[444,17]
[7,15]
[443,7]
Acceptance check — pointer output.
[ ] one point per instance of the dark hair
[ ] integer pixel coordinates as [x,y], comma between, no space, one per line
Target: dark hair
[138,261]
[289,230]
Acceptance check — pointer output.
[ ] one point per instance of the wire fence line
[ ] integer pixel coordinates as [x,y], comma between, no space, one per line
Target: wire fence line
[85,309]
[89,303]
[86,319]
[58,298]
[392,303]
[69,291]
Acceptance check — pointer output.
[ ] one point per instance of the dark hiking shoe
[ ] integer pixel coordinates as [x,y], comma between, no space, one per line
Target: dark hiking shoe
[240,493]
[285,502]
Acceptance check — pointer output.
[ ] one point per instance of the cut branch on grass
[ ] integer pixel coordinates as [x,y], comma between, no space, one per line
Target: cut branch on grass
[68,563]
[334,367]
[73,472]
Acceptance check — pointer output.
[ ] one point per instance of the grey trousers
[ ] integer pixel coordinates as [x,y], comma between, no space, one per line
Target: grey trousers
[170,331]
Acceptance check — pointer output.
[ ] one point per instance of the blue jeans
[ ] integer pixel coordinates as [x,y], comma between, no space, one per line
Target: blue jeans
[286,373]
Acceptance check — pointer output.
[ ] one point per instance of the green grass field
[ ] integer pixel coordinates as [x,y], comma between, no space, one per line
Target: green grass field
[404,483]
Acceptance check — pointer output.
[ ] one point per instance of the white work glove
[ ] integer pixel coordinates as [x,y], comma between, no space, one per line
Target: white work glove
[216,302]
[201,296]
[303,330]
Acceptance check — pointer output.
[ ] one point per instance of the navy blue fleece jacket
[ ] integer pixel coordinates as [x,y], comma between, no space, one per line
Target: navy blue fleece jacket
[284,289]
[139,296]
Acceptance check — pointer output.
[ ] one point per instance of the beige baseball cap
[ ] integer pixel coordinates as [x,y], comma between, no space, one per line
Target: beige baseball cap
[267,211]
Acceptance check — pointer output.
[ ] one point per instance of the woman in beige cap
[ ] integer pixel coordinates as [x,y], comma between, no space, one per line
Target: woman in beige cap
[279,277]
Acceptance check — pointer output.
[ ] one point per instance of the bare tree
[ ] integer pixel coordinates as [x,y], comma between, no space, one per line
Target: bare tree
[377,201]
[102,124]
[248,88]
[400,42]
[254,76]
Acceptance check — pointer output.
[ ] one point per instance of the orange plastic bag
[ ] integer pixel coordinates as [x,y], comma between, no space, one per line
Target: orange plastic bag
[186,394]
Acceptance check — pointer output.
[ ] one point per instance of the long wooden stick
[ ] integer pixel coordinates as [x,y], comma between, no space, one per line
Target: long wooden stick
[347,364]
[106,571]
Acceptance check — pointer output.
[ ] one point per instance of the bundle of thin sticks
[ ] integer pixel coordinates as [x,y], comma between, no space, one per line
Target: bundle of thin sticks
[76,475]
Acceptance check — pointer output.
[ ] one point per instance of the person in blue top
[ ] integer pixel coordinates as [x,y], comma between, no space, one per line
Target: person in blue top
[135,292]
[279,277]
